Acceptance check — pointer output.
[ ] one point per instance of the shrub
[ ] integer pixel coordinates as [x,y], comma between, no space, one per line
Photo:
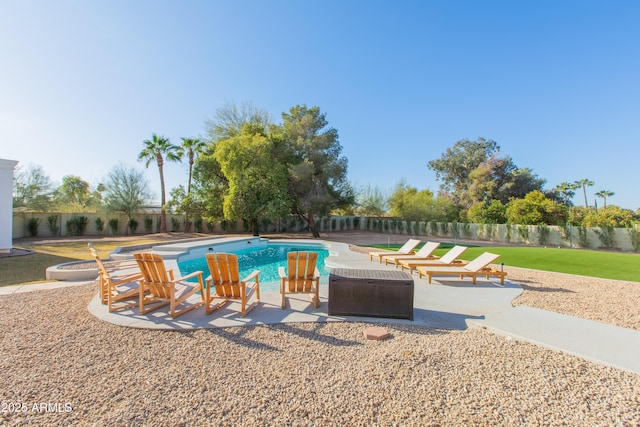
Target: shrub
[197,224]
[543,235]
[634,235]
[133,225]
[99,224]
[175,224]
[148,224]
[113,225]
[523,231]
[583,238]
[77,225]
[607,236]
[53,224]
[32,226]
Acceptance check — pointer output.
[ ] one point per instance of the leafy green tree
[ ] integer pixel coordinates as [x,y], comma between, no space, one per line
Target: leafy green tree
[458,162]
[209,184]
[410,204]
[493,212]
[74,195]
[127,191]
[603,194]
[613,216]
[316,172]
[257,185]
[584,183]
[473,171]
[535,209]
[155,150]
[519,183]
[32,188]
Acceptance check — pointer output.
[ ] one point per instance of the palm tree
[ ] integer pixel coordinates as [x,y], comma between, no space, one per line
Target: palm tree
[603,195]
[566,190]
[191,148]
[584,183]
[153,150]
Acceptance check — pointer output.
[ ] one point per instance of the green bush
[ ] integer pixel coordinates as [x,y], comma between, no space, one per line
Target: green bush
[607,236]
[53,224]
[133,225]
[113,225]
[197,224]
[148,224]
[583,237]
[32,226]
[99,224]
[77,225]
[175,224]
[543,235]
[634,235]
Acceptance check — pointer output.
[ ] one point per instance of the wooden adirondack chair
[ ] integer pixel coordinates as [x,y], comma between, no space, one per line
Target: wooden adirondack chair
[301,277]
[119,292]
[226,283]
[159,287]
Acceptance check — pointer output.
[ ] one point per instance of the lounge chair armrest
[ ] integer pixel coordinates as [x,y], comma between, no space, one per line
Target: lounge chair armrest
[316,272]
[282,273]
[252,276]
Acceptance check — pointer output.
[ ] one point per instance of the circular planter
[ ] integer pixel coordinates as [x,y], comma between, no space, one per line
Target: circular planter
[59,272]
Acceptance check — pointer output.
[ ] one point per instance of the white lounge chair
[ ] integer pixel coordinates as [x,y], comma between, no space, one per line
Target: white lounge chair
[406,249]
[475,268]
[450,258]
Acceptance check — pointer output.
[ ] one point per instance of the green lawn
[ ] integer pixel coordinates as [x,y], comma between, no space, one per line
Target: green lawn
[32,268]
[608,265]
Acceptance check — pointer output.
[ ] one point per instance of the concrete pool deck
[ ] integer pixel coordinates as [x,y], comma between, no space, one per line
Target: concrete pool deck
[449,304]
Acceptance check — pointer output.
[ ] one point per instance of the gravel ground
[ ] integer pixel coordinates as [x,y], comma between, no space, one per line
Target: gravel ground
[62,366]
[609,301]
[88,372]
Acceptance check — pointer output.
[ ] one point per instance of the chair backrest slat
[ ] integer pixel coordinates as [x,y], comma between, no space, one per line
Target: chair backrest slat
[427,249]
[225,273]
[154,272]
[453,254]
[301,268]
[409,246]
[481,261]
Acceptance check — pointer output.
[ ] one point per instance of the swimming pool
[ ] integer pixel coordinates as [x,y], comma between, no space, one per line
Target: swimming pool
[266,258]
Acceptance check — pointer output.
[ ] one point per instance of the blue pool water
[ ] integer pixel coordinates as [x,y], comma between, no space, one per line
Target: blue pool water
[267,259]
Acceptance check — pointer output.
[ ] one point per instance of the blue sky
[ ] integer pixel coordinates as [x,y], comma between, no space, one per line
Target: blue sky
[555,83]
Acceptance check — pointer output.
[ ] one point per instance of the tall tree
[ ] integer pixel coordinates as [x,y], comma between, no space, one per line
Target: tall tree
[584,183]
[455,166]
[317,172]
[566,191]
[73,191]
[127,190]
[231,118]
[154,151]
[32,188]
[191,148]
[257,185]
[604,194]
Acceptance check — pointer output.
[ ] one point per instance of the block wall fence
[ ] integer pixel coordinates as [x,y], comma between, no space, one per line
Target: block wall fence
[622,239]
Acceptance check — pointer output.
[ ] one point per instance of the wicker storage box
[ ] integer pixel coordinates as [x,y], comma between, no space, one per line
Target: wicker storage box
[371,293]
